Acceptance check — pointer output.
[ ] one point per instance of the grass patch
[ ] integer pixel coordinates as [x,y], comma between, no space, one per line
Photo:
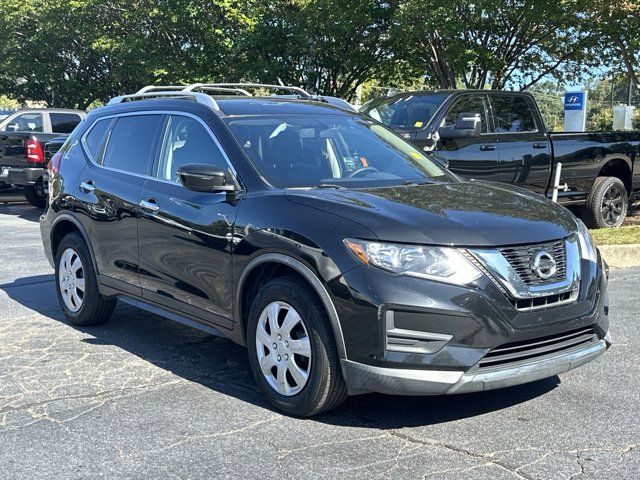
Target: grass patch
[617,236]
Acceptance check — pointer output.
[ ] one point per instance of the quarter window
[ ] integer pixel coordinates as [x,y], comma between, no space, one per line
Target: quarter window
[467,104]
[64,122]
[187,141]
[512,114]
[132,143]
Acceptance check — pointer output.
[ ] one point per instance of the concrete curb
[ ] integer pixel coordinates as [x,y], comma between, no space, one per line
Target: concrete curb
[621,256]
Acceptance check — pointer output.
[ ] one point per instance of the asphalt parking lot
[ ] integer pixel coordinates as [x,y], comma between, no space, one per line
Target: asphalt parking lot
[142,397]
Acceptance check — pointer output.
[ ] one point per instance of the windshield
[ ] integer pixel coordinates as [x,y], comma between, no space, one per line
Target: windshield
[405,111]
[331,151]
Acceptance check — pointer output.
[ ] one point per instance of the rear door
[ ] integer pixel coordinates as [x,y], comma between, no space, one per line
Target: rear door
[476,157]
[122,150]
[525,152]
[184,236]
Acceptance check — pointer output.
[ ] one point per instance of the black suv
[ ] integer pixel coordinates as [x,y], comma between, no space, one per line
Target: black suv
[346,260]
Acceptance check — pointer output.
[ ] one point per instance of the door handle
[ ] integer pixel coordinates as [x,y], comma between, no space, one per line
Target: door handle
[87,186]
[487,148]
[539,145]
[150,205]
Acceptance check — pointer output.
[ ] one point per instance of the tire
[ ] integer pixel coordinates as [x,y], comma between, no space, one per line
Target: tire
[35,194]
[324,387]
[607,203]
[89,307]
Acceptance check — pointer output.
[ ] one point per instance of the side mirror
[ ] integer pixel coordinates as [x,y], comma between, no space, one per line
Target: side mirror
[204,177]
[468,125]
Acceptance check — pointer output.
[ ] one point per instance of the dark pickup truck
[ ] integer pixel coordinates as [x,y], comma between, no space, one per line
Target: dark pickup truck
[500,136]
[23,136]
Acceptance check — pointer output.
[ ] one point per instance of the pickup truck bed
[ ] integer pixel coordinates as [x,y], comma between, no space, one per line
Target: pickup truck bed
[500,136]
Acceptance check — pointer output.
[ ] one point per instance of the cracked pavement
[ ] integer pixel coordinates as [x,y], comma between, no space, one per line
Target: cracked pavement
[143,397]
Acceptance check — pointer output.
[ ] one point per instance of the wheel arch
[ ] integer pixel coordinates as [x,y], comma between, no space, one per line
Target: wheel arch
[64,225]
[272,265]
[620,168]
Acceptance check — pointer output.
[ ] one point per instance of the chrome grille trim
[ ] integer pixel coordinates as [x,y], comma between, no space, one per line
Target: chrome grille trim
[504,273]
[520,259]
[511,354]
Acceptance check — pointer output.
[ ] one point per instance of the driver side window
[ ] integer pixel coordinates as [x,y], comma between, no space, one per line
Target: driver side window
[27,122]
[467,104]
[187,141]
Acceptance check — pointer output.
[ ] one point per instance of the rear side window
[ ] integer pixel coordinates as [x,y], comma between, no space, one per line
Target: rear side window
[64,122]
[94,140]
[512,114]
[132,143]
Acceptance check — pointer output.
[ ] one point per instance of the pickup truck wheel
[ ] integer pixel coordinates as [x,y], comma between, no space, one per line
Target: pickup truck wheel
[292,350]
[607,203]
[77,285]
[35,194]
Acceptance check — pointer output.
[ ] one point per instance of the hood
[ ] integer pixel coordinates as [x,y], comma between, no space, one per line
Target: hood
[464,214]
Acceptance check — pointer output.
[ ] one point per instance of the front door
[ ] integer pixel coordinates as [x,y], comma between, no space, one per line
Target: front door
[185,236]
[525,153]
[475,157]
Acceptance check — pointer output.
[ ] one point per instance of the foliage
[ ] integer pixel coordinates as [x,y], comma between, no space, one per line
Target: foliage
[491,42]
[8,103]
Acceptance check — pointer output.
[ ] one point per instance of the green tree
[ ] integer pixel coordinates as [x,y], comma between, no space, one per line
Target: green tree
[326,46]
[493,43]
[72,53]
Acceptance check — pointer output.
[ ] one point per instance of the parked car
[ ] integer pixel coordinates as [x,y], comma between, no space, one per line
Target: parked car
[346,260]
[500,136]
[22,153]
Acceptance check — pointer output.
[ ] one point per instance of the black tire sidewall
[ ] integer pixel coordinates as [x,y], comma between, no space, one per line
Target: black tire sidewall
[602,185]
[91,295]
[312,312]
[32,196]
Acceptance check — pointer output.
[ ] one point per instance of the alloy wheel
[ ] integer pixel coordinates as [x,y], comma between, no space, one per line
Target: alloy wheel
[71,280]
[612,205]
[284,348]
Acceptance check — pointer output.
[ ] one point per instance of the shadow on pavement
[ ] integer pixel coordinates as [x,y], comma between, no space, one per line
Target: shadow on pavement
[17,206]
[223,366]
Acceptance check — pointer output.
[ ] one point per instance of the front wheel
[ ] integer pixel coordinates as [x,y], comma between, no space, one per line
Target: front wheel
[292,350]
[607,203]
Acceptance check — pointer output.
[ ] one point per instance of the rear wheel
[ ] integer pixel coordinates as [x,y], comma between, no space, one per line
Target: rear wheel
[607,203]
[77,286]
[292,350]
[35,194]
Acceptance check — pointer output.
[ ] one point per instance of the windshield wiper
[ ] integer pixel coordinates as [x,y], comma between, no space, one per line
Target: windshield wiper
[413,182]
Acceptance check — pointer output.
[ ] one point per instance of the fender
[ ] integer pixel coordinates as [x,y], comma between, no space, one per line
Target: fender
[313,280]
[65,216]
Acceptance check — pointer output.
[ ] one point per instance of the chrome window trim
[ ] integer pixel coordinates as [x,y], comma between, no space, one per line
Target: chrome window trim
[501,269]
[153,112]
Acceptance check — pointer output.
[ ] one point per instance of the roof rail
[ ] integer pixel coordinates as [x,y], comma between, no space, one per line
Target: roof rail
[202,98]
[161,88]
[216,88]
[297,90]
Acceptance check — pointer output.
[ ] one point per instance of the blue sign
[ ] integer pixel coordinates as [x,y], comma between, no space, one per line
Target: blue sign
[574,101]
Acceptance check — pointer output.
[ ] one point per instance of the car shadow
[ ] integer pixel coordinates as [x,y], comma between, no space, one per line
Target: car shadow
[14,203]
[223,366]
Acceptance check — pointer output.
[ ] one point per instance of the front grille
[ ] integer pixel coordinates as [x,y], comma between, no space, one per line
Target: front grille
[50,149]
[520,259]
[541,303]
[513,354]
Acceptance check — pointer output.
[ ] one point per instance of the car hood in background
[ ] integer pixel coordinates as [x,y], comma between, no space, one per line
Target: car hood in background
[466,213]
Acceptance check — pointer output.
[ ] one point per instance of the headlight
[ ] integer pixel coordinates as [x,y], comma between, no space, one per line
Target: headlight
[588,250]
[436,263]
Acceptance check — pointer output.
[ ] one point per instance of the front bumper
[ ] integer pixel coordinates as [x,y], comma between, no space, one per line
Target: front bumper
[20,175]
[363,378]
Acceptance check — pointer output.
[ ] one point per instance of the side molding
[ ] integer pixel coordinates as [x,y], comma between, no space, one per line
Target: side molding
[311,277]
